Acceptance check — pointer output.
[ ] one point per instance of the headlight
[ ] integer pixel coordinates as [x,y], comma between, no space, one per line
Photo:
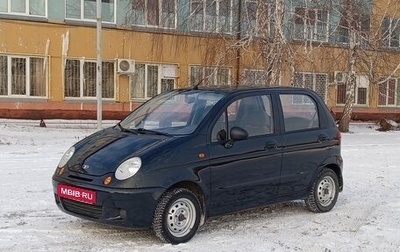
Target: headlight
[66,156]
[128,168]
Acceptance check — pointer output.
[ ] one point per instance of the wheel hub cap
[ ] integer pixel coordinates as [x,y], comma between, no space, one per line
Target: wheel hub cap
[181,217]
[326,191]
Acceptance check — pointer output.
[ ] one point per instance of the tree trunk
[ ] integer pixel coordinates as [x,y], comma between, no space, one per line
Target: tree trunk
[344,122]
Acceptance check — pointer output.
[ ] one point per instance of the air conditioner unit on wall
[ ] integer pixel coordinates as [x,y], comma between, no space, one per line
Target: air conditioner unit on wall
[125,66]
[340,76]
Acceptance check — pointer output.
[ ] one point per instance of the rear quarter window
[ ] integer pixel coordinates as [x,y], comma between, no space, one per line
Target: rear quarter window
[300,112]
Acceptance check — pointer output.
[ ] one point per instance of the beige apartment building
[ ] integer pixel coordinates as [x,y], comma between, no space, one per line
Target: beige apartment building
[48,52]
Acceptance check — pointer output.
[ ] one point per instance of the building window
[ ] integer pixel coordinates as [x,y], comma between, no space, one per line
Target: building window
[255,18]
[87,10]
[152,79]
[315,81]
[341,93]
[210,76]
[80,79]
[211,15]
[254,77]
[359,24]
[391,32]
[311,24]
[154,13]
[24,7]
[23,76]
[360,94]
[388,92]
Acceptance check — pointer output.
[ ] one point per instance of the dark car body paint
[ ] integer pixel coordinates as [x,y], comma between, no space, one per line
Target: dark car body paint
[258,171]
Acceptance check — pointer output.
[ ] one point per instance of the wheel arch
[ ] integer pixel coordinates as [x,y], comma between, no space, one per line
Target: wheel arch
[198,191]
[338,171]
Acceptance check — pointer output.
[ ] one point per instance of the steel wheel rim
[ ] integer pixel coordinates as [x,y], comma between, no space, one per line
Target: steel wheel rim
[181,217]
[326,191]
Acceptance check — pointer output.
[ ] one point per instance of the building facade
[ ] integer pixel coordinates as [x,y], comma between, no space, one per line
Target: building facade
[48,52]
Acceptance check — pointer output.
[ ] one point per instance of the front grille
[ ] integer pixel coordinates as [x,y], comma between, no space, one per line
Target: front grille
[80,208]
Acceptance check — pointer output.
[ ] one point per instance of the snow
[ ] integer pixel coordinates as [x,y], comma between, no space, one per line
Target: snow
[365,218]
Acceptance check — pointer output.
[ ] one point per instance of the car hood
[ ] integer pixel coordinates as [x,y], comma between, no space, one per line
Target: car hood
[103,152]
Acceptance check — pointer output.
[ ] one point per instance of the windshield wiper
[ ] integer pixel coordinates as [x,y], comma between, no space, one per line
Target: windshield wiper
[154,132]
[134,131]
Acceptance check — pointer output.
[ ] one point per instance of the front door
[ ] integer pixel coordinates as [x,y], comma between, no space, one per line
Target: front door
[244,173]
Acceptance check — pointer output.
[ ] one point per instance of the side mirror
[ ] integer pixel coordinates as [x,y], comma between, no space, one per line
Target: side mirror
[238,133]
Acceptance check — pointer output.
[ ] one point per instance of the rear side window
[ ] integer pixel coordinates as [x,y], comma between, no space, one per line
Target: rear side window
[300,112]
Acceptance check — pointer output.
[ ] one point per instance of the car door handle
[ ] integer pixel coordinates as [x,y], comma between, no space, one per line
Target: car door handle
[271,145]
[322,138]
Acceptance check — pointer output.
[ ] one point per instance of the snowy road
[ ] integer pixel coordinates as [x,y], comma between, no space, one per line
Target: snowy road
[366,217]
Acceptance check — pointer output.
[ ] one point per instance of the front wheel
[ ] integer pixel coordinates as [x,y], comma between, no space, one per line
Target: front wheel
[324,192]
[177,216]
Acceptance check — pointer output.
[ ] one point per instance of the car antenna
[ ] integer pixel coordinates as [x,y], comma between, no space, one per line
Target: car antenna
[195,87]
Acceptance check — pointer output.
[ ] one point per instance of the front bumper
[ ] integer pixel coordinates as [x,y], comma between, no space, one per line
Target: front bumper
[133,208]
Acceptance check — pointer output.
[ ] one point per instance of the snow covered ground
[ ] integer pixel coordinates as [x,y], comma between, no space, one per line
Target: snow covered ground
[365,218]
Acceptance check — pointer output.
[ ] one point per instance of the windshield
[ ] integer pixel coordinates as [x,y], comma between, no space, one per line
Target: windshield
[176,112]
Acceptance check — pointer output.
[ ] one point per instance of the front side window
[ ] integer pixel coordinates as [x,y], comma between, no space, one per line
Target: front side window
[311,24]
[211,15]
[154,13]
[87,10]
[391,32]
[260,18]
[24,7]
[388,92]
[80,79]
[299,115]
[253,114]
[152,79]
[209,76]
[23,76]
[314,81]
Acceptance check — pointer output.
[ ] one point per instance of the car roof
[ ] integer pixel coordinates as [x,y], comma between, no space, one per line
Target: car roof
[240,88]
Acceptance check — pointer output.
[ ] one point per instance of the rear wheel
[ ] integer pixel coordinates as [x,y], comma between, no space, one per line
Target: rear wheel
[177,216]
[324,193]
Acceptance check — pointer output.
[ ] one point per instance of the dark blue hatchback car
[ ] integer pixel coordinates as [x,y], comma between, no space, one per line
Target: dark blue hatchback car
[191,154]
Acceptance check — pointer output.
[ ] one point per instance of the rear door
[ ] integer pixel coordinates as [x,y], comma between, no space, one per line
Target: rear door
[244,173]
[305,143]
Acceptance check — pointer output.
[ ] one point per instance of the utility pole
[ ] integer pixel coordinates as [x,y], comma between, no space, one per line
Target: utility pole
[99,67]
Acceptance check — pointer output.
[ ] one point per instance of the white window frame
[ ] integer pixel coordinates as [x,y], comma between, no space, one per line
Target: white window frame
[160,16]
[386,83]
[160,77]
[306,35]
[27,9]
[82,13]
[210,80]
[27,76]
[393,24]
[361,82]
[82,79]
[205,28]
[314,83]
[256,29]
[259,75]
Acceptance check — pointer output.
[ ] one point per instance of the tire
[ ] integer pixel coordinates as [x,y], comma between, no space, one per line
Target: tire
[324,192]
[177,216]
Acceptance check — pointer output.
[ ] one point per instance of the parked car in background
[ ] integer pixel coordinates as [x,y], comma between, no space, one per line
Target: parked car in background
[191,154]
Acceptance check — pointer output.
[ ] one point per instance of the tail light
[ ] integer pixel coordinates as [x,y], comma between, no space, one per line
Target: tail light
[339,136]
